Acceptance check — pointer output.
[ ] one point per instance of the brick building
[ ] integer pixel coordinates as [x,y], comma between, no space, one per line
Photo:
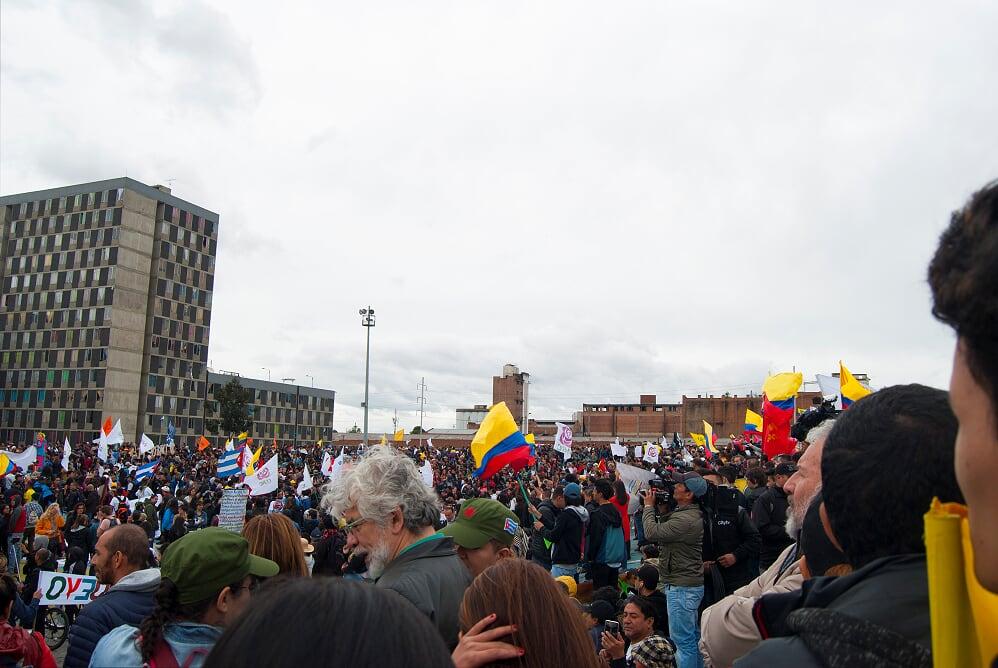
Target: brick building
[726,413]
[645,419]
[511,387]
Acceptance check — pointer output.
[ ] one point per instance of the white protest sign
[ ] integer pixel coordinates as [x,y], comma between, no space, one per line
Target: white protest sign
[618,450]
[232,512]
[634,479]
[563,440]
[68,589]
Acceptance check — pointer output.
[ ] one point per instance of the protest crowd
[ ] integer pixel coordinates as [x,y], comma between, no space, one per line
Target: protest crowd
[514,553]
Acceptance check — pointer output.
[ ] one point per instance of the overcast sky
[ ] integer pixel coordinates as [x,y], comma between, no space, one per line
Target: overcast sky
[653,197]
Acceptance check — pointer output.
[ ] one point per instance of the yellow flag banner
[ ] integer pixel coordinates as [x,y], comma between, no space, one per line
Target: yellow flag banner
[964,615]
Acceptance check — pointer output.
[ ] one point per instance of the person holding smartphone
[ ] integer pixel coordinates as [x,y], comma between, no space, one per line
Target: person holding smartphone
[639,646]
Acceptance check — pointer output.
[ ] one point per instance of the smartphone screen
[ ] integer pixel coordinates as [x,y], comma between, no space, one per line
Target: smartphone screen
[612,626]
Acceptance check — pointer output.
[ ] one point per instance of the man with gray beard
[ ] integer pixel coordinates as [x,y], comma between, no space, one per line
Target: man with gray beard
[390,515]
[727,629]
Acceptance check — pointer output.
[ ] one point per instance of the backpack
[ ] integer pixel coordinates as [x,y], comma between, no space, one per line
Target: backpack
[613,550]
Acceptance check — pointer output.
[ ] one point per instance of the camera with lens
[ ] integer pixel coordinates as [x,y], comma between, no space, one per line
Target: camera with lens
[663,490]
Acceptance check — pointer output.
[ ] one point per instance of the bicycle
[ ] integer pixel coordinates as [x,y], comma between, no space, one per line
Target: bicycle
[56,627]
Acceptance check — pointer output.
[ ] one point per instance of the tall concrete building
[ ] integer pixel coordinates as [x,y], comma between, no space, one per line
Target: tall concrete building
[279,411]
[105,311]
[511,387]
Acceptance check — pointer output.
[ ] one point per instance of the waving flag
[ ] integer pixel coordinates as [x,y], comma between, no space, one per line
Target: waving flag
[264,479]
[700,440]
[331,467]
[563,440]
[250,458]
[306,482]
[753,423]
[850,389]
[779,395]
[146,445]
[710,439]
[146,471]
[171,433]
[426,472]
[66,452]
[203,443]
[499,443]
[399,436]
[228,464]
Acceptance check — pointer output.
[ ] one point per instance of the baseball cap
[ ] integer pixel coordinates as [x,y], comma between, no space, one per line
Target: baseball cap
[600,610]
[572,489]
[481,520]
[203,562]
[693,482]
[785,469]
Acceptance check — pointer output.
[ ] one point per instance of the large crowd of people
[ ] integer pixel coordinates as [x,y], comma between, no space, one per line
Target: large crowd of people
[815,558]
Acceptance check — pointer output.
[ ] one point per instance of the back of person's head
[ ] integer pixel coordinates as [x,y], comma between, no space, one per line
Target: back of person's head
[648,575]
[728,473]
[8,591]
[756,476]
[609,594]
[131,541]
[522,593]
[619,492]
[884,461]
[604,488]
[106,510]
[327,621]
[273,536]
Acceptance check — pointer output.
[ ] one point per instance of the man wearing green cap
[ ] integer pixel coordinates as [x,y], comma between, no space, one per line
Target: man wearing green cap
[207,578]
[484,531]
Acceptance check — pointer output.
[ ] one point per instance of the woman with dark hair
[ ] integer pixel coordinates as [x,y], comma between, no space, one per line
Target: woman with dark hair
[328,555]
[523,595]
[345,624]
[208,577]
[273,536]
[620,501]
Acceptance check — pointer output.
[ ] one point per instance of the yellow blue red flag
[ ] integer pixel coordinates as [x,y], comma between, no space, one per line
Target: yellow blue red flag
[709,438]
[850,389]
[500,443]
[753,422]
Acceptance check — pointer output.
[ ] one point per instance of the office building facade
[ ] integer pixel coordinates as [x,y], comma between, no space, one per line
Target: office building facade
[105,311]
[279,411]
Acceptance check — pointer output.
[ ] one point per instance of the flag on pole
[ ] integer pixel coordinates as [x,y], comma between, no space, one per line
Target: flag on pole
[250,458]
[850,389]
[146,445]
[306,481]
[66,452]
[700,440]
[710,439]
[753,423]
[399,436]
[331,468]
[116,437]
[228,464]
[203,443]
[228,445]
[651,453]
[779,393]
[264,479]
[146,471]
[384,439]
[563,440]
[171,433]
[499,443]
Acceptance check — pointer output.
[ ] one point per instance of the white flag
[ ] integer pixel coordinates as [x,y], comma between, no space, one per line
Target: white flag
[264,480]
[563,440]
[66,452]
[146,445]
[426,470]
[337,466]
[229,446]
[634,479]
[829,386]
[102,453]
[637,451]
[429,442]
[306,481]
[617,449]
[116,437]
[651,453]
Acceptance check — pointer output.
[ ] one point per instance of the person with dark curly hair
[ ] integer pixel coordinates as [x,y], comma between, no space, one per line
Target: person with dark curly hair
[207,579]
[963,276]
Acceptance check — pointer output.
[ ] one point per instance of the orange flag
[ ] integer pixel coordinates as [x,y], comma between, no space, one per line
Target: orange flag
[203,443]
[108,426]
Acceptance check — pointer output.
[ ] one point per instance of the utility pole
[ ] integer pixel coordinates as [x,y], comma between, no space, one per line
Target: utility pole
[422,403]
[368,323]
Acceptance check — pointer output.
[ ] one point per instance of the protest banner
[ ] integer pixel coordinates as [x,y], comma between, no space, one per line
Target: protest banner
[232,512]
[68,589]
[634,479]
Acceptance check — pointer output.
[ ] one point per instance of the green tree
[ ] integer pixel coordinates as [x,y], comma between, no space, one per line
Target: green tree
[233,408]
[354,429]
[417,429]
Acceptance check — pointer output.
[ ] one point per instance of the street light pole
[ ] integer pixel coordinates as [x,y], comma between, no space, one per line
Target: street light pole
[367,321]
[267,370]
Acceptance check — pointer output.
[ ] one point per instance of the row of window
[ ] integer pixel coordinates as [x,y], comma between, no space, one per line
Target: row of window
[185,219]
[93,257]
[193,240]
[39,420]
[204,261]
[192,277]
[71,318]
[174,367]
[45,207]
[158,424]
[45,343]
[186,313]
[77,278]
[179,292]
[29,359]
[48,398]
[62,241]
[52,378]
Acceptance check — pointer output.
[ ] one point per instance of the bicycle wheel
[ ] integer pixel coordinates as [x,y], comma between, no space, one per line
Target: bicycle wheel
[56,627]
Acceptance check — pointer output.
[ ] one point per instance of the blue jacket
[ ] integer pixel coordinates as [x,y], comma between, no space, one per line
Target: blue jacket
[128,602]
[118,649]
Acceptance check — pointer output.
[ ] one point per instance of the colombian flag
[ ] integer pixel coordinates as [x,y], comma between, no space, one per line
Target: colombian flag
[500,443]
[6,466]
[753,423]
[779,393]
[710,439]
[850,389]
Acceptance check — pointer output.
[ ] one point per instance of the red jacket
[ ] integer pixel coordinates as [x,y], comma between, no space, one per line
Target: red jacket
[17,644]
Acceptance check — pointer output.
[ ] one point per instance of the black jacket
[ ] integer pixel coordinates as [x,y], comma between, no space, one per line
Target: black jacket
[732,531]
[606,516]
[128,602]
[770,516]
[567,534]
[877,615]
[549,515]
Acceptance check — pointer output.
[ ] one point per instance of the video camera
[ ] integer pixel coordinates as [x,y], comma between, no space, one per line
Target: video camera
[663,489]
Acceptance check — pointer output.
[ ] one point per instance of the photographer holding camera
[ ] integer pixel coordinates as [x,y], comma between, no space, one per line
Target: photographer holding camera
[679,534]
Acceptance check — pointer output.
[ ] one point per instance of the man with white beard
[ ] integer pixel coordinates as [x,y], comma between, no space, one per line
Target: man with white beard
[727,629]
[390,514]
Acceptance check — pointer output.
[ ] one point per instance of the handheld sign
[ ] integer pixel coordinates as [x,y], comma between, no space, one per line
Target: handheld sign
[232,512]
[68,589]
